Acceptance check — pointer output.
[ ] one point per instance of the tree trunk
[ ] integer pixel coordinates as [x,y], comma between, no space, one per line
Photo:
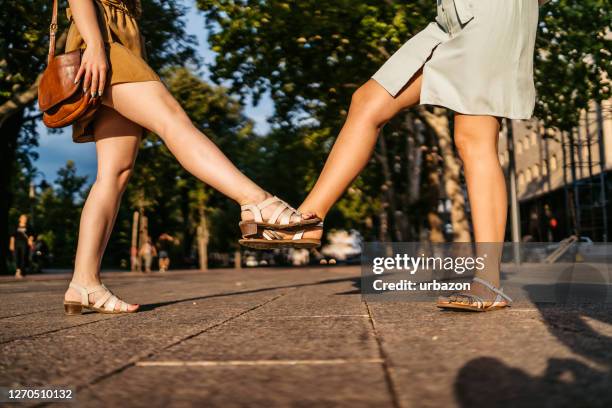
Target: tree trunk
[431,193]
[134,259]
[203,238]
[388,187]
[9,134]
[438,122]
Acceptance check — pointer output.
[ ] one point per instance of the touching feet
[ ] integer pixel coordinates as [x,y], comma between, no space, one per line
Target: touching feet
[272,223]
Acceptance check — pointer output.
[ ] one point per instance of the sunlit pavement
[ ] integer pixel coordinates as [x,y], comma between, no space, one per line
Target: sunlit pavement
[299,337]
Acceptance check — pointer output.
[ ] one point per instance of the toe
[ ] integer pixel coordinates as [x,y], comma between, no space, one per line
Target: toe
[133,308]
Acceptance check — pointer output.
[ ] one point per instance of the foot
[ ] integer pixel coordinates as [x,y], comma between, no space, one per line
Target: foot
[264,208]
[310,232]
[481,296]
[72,295]
[18,274]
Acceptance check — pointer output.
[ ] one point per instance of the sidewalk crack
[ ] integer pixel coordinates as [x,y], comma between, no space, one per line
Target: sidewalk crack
[385,360]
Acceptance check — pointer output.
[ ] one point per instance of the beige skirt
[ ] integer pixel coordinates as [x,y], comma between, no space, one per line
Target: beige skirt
[477,58]
[125,51]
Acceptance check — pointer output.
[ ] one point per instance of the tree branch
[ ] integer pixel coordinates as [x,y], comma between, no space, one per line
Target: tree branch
[22,99]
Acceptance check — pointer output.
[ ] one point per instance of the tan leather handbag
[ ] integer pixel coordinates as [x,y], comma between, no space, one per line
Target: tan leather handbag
[60,99]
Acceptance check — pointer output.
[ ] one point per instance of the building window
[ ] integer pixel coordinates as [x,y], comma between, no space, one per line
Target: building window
[545,168]
[519,147]
[534,138]
[528,176]
[536,171]
[521,179]
[553,163]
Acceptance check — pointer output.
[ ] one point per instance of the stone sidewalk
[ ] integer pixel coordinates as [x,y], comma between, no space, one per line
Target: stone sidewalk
[299,337]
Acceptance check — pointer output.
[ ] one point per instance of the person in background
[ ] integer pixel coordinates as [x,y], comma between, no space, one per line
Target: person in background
[164,242]
[19,246]
[147,253]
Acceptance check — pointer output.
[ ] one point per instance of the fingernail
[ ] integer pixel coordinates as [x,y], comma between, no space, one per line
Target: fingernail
[93,94]
[76,81]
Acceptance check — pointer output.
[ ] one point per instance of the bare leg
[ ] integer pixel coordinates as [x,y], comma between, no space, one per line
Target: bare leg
[371,107]
[150,105]
[117,141]
[476,138]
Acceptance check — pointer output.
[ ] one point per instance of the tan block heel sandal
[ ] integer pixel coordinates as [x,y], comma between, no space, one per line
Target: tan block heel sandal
[105,304]
[474,303]
[284,218]
[269,239]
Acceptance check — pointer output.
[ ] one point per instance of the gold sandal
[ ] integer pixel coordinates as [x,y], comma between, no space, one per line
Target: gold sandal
[270,239]
[474,303]
[105,304]
[284,218]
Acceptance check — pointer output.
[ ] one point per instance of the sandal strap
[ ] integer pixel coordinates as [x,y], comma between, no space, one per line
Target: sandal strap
[499,291]
[272,235]
[105,297]
[480,303]
[284,211]
[86,291]
[112,302]
[254,209]
[282,208]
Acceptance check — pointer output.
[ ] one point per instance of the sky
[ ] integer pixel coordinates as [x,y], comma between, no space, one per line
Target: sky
[57,148]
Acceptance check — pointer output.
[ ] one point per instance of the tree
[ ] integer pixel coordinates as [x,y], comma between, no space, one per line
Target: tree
[311,56]
[23,52]
[57,213]
[572,66]
[175,201]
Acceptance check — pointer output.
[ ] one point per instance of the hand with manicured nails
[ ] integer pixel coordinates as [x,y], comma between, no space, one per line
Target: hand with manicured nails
[93,70]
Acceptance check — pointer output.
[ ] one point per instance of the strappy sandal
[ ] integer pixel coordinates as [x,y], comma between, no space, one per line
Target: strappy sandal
[474,303]
[105,304]
[284,218]
[270,239]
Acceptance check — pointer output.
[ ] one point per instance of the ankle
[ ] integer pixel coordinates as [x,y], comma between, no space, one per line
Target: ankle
[254,197]
[86,280]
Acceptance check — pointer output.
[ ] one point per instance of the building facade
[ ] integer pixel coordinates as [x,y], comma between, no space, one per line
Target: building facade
[563,179]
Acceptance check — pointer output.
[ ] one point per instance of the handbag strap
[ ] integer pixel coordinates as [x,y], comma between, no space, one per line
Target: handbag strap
[52,32]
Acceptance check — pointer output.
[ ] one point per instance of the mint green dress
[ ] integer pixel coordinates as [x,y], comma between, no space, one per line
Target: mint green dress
[477,58]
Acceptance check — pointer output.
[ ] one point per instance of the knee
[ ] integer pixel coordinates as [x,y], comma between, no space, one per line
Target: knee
[474,147]
[171,119]
[368,105]
[114,182]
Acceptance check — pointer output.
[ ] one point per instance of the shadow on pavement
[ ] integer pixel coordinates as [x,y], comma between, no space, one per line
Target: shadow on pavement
[488,382]
[152,306]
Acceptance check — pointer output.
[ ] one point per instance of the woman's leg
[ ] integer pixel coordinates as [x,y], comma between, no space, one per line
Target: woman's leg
[150,105]
[476,138]
[371,107]
[117,141]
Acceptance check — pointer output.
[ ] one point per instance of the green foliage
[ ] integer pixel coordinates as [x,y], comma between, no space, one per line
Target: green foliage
[170,195]
[23,43]
[56,214]
[573,59]
[311,56]
[23,51]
